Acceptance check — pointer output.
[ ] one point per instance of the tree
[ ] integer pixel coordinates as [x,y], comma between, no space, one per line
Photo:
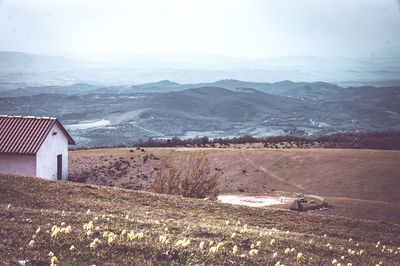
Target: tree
[192,179]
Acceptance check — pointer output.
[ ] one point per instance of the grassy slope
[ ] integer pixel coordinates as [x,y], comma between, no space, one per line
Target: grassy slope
[39,203]
[359,183]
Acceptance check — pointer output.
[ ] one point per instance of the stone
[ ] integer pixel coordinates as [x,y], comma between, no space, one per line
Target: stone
[296,206]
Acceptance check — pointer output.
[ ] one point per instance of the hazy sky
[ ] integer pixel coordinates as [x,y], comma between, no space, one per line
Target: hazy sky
[243,28]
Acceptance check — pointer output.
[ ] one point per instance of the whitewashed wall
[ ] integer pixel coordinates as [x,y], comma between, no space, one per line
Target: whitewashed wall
[24,165]
[46,157]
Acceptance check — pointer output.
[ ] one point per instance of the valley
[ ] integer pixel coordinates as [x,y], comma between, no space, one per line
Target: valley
[112,116]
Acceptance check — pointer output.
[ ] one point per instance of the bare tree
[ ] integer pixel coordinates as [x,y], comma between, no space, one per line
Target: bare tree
[192,179]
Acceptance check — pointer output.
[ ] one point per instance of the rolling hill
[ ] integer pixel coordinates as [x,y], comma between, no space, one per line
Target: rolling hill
[76,224]
[225,108]
[358,183]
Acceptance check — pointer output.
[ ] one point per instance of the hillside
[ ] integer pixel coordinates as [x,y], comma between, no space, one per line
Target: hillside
[27,204]
[222,109]
[358,183]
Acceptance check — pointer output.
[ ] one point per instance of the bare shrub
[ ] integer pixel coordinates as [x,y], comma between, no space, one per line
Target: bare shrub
[192,178]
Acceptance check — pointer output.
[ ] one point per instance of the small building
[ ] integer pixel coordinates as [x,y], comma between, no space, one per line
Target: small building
[34,146]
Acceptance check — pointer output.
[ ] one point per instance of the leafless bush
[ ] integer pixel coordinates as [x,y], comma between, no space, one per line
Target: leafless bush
[192,178]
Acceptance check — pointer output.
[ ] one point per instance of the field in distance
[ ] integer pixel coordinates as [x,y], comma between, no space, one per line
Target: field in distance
[358,183]
[81,224]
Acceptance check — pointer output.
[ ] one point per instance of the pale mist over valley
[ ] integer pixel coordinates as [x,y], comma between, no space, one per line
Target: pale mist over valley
[200,132]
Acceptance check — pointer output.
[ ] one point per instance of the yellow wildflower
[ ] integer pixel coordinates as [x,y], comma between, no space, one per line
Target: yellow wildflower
[38,230]
[94,243]
[88,226]
[31,243]
[235,249]
[53,261]
[275,255]
[272,242]
[163,239]
[213,249]
[72,248]
[253,252]
[54,231]
[182,243]
[300,257]
[201,245]
[233,235]
[131,235]
[51,254]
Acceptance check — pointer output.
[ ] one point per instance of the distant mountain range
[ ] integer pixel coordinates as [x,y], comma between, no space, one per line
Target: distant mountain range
[115,115]
[117,70]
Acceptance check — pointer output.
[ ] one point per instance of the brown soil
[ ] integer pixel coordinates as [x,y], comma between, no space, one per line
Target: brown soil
[358,183]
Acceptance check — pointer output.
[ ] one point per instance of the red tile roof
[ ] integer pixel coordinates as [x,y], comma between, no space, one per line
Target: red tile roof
[25,134]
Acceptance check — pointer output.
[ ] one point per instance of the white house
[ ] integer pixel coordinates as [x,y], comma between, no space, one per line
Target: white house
[34,146]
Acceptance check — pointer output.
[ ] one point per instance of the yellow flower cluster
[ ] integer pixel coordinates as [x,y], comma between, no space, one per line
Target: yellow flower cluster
[163,239]
[217,248]
[300,257]
[111,238]
[201,245]
[94,243]
[54,231]
[235,249]
[183,243]
[131,235]
[253,252]
[53,261]
[88,226]
[31,243]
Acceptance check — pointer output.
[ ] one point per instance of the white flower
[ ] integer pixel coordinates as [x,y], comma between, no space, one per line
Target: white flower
[201,245]
[235,249]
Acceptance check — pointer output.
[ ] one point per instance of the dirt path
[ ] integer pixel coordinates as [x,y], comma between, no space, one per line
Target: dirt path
[270,173]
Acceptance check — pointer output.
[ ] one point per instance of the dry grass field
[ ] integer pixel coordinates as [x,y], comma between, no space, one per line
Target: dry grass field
[357,183]
[81,224]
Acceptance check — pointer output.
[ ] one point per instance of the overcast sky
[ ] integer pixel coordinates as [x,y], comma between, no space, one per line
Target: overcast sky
[241,28]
